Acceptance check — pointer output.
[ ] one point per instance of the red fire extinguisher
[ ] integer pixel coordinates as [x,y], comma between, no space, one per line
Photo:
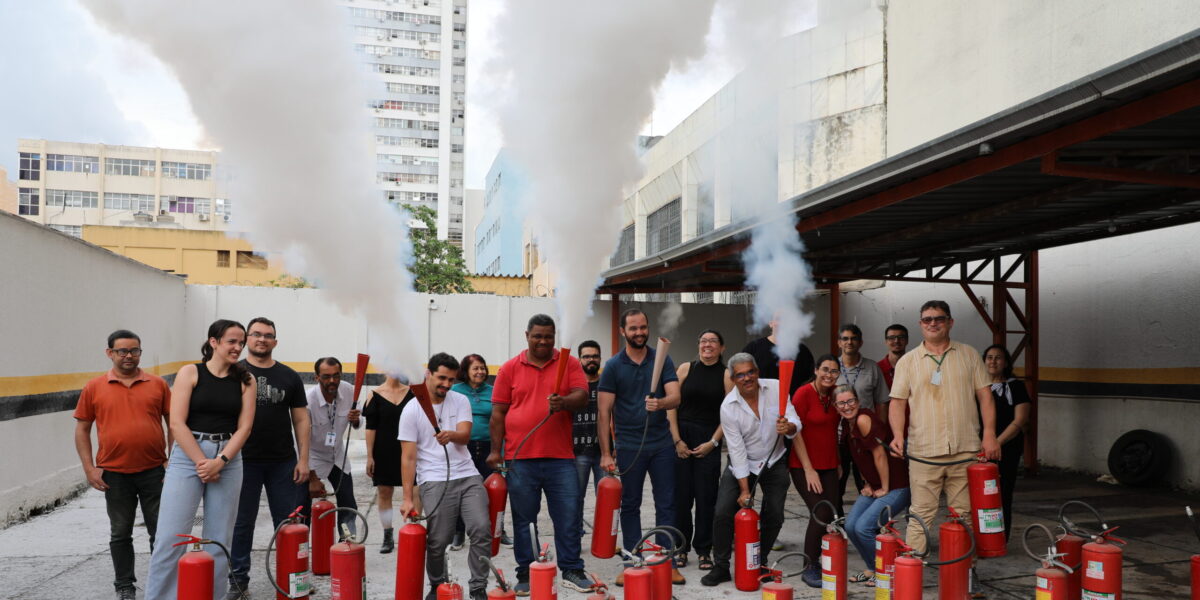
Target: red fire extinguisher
[746,554]
[195,579]
[347,560]
[888,545]
[543,573]
[1071,546]
[410,559]
[659,561]
[502,591]
[607,517]
[322,536]
[955,539]
[638,579]
[290,540]
[908,577]
[833,555]
[497,492]
[983,482]
[449,589]
[1052,580]
[1101,558]
[1195,558]
[773,587]
[599,590]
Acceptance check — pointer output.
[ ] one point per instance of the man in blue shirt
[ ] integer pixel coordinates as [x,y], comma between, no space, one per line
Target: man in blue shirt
[637,417]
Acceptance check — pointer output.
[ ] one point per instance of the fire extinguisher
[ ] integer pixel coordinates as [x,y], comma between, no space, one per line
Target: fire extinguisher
[347,560]
[543,573]
[502,591]
[1053,578]
[1195,557]
[322,535]
[908,577]
[639,579]
[1071,546]
[195,580]
[888,545]
[497,493]
[833,554]
[746,554]
[983,483]
[955,538]
[607,517]
[1101,558]
[449,589]
[660,560]
[773,587]
[410,559]
[292,577]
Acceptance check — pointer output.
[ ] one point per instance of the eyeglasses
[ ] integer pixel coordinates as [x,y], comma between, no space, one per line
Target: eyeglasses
[828,371]
[123,352]
[895,338]
[851,338]
[846,403]
[709,341]
[265,336]
[938,319]
[745,375]
[589,357]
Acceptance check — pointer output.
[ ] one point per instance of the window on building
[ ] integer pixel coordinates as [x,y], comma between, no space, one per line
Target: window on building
[222,258]
[703,297]
[705,208]
[31,166]
[625,250]
[456,148]
[27,201]
[405,142]
[390,123]
[385,176]
[408,70]
[224,206]
[185,204]
[663,228]
[410,197]
[251,260]
[393,15]
[71,198]
[182,170]
[134,202]
[413,88]
[72,163]
[71,230]
[459,79]
[405,159]
[377,50]
[133,167]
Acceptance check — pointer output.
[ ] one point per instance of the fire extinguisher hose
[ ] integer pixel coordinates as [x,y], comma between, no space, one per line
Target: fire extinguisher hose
[504,587]
[832,526]
[778,575]
[345,532]
[909,518]
[1050,558]
[228,560]
[1074,529]
[673,533]
[270,547]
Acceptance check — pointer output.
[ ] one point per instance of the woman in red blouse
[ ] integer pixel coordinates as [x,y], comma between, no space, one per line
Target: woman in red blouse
[814,461]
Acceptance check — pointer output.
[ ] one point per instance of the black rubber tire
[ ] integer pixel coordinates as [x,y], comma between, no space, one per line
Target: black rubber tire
[1139,458]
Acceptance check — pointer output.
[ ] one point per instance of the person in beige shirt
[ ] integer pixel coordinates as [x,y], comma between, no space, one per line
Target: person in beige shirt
[934,395]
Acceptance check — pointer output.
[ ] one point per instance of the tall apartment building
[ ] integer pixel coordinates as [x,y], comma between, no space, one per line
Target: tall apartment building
[66,185]
[417,49]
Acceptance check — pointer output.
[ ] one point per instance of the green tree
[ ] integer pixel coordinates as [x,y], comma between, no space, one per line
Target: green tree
[438,266]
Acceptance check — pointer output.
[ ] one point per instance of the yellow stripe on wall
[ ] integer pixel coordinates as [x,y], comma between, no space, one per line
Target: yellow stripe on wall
[1160,376]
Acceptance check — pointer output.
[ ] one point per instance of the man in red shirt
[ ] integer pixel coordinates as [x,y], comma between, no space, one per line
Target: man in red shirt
[129,407]
[531,426]
[896,338]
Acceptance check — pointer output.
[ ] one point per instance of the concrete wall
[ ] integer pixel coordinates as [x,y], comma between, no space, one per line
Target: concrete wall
[952,63]
[188,252]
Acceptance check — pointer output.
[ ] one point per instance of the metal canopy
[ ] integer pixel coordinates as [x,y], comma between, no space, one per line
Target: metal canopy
[1114,153]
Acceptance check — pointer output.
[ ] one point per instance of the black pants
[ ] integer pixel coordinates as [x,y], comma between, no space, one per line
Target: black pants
[812,535]
[125,491]
[479,450]
[774,483]
[696,481]
[1010,463]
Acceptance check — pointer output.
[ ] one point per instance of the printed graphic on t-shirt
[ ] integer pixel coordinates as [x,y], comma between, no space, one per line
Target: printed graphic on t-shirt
[268,394]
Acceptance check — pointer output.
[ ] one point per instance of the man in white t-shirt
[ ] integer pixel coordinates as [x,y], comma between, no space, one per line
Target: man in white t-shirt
[450,486]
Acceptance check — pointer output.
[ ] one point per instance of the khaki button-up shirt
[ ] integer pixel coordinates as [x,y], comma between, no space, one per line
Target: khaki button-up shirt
[944,418]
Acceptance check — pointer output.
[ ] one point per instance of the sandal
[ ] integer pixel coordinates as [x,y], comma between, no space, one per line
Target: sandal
[680,561]
[706,563]
[863,577]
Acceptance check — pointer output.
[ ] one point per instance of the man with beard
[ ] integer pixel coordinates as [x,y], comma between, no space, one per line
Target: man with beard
[449,484]
[531,422]
[329,404]
[587,449]
[637,416]
[269,458]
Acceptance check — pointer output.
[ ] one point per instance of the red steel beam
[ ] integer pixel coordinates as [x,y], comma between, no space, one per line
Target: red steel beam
[1051,166]
[687,261]
[1138,112]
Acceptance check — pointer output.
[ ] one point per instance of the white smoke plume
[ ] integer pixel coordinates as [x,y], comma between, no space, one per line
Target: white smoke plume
[277,87]
[582,79]
[669,320]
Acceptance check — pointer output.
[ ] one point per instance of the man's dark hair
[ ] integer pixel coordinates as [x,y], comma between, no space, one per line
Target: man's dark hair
[590,344]
[852,328]
[539,320]
[122,334]
[938,304]
[896,327]
[441,359]
[263,320]
[629,312]
[327,360]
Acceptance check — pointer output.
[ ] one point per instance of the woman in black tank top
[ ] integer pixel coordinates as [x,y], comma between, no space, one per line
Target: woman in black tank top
[696,429]
[212,411]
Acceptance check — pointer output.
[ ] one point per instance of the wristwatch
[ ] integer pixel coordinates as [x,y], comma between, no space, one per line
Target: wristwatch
[715,442]
[222,457]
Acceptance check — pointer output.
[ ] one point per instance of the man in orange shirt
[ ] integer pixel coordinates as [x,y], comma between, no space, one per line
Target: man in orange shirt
[129,407]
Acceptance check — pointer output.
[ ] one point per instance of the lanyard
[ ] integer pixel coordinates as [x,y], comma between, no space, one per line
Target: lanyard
[847,370]
[331,410]
[939,361]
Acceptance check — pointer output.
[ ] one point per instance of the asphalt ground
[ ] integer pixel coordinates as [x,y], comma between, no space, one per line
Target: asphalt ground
[64,553]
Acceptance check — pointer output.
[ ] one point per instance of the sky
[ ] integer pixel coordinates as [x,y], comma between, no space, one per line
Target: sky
[73,81]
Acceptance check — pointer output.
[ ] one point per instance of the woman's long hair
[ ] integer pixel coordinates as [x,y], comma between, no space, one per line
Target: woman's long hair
[215,332]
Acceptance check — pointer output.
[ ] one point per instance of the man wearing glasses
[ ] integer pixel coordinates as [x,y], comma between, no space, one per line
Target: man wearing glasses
[941,381]
[587,448]
[269,458]
[128,407]
[329,408]
[896,338]
[756,435]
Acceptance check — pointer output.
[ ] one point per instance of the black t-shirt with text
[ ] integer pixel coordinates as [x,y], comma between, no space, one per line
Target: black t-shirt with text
[583,431]
[280,389]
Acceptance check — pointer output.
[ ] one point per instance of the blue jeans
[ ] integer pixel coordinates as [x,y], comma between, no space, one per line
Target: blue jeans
[181,494]
[586,464]
[660,465]
[863,522]
[528,478]
[283,496]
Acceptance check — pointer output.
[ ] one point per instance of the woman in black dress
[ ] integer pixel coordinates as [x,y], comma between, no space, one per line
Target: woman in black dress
[1012,417]
[383,448]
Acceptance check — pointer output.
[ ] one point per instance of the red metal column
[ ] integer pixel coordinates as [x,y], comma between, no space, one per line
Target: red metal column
[1031,359]
[616,324]
[999,307]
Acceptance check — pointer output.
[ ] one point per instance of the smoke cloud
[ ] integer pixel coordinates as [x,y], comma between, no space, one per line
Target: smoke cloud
[581,86]
[669,320]
[277,87]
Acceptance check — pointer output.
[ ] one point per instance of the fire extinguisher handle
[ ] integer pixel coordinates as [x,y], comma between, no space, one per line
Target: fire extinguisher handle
[345,537]
[188,539]
[499,575]
[1052,552]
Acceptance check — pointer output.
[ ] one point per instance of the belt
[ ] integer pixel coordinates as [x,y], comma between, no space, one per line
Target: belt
[212,437]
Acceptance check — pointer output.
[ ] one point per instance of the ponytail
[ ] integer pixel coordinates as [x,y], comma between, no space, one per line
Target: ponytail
[216,331]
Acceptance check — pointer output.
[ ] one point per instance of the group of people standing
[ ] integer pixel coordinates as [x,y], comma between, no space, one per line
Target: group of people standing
[234,427]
